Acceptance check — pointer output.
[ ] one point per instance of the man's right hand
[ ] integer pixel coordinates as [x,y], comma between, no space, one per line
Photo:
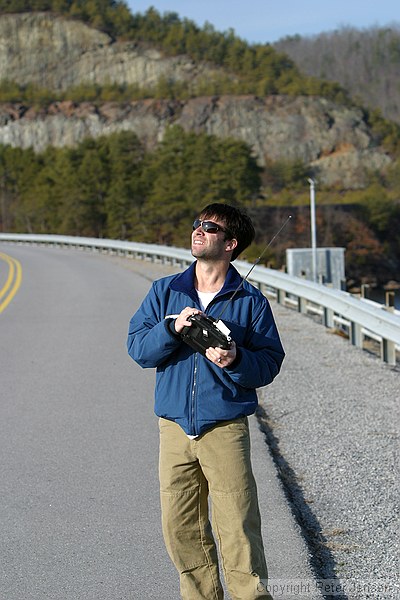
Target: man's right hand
[183,319]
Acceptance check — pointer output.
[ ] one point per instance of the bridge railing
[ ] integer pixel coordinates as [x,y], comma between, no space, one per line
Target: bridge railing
[360,320]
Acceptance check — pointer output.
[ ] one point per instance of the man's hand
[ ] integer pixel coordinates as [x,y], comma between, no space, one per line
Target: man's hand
[182,321]
[222,358]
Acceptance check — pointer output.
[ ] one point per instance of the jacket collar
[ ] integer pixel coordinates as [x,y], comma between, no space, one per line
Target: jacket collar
[184,282]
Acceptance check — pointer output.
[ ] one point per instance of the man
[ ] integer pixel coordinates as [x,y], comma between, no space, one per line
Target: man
[203,403]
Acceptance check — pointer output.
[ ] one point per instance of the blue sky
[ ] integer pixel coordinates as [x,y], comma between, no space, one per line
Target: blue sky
[268,20]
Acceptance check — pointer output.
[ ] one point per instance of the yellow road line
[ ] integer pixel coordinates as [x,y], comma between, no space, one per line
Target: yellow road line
[14,278]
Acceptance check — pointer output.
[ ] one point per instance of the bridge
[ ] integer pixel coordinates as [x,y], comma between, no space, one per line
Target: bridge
[80,512]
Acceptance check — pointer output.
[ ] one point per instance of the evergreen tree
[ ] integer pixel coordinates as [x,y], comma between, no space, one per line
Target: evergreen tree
[190,170]
[125,194]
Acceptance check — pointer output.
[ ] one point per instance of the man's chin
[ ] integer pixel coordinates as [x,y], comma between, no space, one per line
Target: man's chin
[197,252]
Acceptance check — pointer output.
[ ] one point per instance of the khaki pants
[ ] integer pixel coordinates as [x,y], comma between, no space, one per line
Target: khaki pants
[217,463]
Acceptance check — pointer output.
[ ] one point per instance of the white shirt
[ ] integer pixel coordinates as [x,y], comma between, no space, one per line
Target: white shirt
[205,298]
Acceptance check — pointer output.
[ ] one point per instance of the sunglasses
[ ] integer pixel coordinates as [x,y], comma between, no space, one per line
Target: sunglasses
[208,226]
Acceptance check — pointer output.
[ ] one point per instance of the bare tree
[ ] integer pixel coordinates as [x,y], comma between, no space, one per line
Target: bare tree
[366,62]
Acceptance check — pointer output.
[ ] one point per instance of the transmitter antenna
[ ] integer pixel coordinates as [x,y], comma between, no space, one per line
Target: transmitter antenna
[225,306]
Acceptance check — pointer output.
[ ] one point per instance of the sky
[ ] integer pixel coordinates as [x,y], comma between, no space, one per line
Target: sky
[262,21]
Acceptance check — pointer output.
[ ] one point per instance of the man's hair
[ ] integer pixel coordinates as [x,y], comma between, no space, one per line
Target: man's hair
[237,223]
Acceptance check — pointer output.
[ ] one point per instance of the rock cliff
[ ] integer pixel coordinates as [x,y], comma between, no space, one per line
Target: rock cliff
[57,53]
[334,140]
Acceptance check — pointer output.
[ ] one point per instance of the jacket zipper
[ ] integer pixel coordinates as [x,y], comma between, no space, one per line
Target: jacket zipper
[193,403]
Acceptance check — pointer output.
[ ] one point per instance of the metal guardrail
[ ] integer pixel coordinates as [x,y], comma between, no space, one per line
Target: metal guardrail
[361,319]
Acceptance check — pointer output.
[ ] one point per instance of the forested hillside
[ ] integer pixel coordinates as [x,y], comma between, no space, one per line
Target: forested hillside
[111,187]
[365,62]
[259,69]
[117,186]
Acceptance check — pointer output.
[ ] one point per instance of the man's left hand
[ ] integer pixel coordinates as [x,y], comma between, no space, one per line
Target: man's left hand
[222,358]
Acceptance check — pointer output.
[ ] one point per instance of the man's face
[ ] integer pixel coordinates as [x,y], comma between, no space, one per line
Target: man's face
[209,245]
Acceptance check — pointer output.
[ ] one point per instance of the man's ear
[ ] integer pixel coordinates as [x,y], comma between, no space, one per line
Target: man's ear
[231,245]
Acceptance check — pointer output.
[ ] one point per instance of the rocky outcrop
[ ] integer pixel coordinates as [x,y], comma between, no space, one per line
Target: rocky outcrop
[334,140]
[57,54]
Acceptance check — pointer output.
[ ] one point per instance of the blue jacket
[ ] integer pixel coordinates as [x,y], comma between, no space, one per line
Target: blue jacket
[190,389]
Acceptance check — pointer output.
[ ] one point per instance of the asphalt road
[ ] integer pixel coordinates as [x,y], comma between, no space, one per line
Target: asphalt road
[79,509]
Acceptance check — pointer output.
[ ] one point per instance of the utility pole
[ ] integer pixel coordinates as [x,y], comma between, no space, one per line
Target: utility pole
[313,230]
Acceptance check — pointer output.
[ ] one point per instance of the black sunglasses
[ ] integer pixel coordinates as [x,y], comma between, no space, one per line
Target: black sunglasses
[208,226]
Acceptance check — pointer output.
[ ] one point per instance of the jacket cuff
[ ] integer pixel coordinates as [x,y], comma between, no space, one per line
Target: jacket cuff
[170,327]
[237,360]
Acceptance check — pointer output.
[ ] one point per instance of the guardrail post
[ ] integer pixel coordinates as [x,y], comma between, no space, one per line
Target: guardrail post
[280,296]
[356,335]
[301,305]
[328,317]
[388,352]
